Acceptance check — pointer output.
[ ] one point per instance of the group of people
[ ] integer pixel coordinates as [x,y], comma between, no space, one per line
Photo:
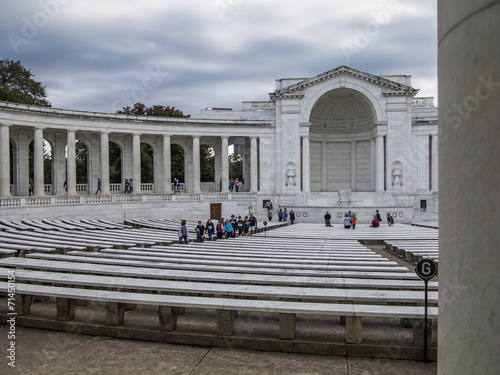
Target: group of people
[225,228]
[234,185]
[129,186]
[283,214]
[377,219]
[350,220]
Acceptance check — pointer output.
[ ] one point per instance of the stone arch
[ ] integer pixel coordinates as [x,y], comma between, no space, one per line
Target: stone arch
[378,107]
[342,123]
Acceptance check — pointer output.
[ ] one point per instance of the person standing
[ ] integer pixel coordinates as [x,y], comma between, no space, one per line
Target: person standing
[183,232]
[131,190]
[210,229]
[236,184]
[377,215]
[390,220]
[127,186]
[353,221]
[247,226]
[347,222]
[328,219]
[280,215]
[285,215]
[228,228]
[231,185]
[241,226]
[253,224]
[220,185]
[292,217]
[31,189]
[220,230]
[234,223]
[99,183]
[200,232]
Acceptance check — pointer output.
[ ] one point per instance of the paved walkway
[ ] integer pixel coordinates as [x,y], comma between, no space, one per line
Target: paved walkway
[45,352]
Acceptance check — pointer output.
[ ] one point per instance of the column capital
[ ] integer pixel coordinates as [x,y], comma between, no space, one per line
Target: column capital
[305,136]
[254,137]
[105,132]
[165,135]
[39,127]
[196,136]
[72,130]
[136,134]
[6,123]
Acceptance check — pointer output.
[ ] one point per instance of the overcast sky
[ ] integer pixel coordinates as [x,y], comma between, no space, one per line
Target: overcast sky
[192,54]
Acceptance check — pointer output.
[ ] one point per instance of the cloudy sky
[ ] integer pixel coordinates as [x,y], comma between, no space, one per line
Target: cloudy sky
[192,54]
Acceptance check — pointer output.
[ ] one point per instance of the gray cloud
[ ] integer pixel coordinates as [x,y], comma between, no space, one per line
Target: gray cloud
[97,55]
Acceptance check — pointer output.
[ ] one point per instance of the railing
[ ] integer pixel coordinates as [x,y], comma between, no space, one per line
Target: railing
[47,188]
[81,188]
[64,200]
[423,102]
[115,188]
[148,187]
[208,186]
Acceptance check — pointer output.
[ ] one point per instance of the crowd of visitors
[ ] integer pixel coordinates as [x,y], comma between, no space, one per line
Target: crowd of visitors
[350,220]
[225,228]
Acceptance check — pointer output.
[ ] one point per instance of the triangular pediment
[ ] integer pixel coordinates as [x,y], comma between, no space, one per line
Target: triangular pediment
[391,87]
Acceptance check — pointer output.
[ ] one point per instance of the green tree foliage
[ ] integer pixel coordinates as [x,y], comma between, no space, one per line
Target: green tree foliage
[207,163]
[140,109]
[81,162]
[115,163]
[17,85]
[177,162]
[146,164]
[236,166]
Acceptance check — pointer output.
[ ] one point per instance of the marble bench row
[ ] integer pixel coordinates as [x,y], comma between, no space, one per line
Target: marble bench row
[226,309]
[109,267]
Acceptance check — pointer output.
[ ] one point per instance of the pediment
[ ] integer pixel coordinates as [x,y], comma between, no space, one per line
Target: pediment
[390,87]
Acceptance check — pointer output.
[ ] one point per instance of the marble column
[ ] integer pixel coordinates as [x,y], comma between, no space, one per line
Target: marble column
[253,165]
[469,180]
[38,162]
[5,164]
[136,162]
[196,165]
[373,163]
[167,165]
[434,165]
[324,166]
[104,164]
[225,164]
[306,165]
[379,169]
[71,163]
[354,179]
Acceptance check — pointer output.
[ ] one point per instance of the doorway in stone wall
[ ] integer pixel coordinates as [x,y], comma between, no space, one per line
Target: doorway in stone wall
[215,211]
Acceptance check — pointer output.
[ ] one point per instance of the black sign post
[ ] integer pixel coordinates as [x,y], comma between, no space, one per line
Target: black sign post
[426,269]
[265,229]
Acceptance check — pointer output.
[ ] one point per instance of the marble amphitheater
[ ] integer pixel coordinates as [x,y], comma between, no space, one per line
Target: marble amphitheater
[341,139]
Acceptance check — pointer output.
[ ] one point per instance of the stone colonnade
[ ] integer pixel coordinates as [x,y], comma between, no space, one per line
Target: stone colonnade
[104,173]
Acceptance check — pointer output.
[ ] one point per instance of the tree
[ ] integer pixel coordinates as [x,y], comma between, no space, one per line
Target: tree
[236,166]
[17,85]
[177,162]
[156,110]
[207,163]
[81,162]
[146,164]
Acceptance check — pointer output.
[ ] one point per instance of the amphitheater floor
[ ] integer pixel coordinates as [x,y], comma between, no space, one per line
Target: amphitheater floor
[45,352]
